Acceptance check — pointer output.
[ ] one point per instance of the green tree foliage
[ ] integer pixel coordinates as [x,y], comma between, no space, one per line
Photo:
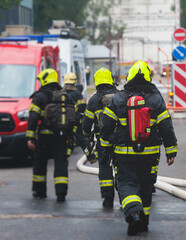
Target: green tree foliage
[8,4]
[183,13]
[46,10]
[98,24]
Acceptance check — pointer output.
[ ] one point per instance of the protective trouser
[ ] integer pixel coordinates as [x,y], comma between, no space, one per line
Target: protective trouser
[50,146]
[106,179]
[135,182]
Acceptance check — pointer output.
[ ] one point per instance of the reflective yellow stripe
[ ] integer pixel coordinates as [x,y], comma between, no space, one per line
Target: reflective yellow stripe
[153,169]
[110,113]
[163,116]
[123,121]
[105,143]
[89,114]
[80,101]
[146,210]
[76,108]
[141,102]
[30,133]
[42,113]
[45,131]
[98,112]
[74,129]
[115,169]
[131,198]
[39,178]
[58,180]
[133,125]
[152,122]
[130,150]
[172,149]
[69,151]
[106,183]
[35,108]
[85,133]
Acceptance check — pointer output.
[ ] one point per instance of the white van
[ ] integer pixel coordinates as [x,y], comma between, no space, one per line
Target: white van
[71,52]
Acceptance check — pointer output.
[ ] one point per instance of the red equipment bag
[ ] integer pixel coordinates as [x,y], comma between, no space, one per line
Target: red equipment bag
[139,121]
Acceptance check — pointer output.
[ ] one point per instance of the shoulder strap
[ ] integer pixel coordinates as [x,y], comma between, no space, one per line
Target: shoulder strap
[125,94]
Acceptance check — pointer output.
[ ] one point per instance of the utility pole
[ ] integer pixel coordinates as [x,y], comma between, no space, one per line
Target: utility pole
[109,42]
[177,13]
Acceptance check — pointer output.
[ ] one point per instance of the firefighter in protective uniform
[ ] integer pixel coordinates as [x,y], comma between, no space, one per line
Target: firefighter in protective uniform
[46,143]
[69,86]
[135,169]
[104,84]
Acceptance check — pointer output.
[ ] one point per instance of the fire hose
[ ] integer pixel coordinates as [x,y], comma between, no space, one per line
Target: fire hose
[167,184]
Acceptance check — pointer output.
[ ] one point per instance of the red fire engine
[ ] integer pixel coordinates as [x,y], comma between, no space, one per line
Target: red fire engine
[20,62]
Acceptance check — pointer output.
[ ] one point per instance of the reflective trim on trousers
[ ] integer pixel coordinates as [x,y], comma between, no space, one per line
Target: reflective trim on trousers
[146,210]
[106,183]
[63,180]
[130,199]
[39,178]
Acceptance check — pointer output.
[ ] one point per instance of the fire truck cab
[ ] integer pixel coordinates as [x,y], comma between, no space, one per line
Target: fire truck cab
[20,62]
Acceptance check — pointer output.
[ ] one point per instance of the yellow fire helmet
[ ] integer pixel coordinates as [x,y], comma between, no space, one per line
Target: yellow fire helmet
[47,76]
[142,68]
[70,78]
[103,76]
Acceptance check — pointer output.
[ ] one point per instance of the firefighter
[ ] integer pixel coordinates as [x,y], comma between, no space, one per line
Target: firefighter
[70,81]
[104,85]
[135,169]
[46,143]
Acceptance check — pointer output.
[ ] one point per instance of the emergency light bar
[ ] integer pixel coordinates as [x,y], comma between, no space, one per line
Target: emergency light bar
[39,38]
[14,39]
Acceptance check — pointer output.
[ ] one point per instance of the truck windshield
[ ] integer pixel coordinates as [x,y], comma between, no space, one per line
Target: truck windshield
[17,81]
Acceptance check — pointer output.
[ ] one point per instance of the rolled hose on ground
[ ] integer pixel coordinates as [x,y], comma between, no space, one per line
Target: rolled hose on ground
[163,183]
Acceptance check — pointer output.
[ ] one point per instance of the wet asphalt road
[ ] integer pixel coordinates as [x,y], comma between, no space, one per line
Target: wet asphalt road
[82,217]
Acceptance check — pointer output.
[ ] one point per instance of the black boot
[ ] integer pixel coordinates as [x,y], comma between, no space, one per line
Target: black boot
[39,195]
[143,227]
[134,222]
[60,198]
[153,189]
[108,202]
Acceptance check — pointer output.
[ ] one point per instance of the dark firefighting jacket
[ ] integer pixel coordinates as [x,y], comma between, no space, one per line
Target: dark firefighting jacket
[115,128]
[94,108]
[77,98]
[40,99]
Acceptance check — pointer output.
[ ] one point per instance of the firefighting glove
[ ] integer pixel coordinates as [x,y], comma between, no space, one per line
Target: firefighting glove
[89,153]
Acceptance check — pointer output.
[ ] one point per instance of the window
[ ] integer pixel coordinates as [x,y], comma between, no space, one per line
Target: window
[17,81]
[63,69]
[78,72]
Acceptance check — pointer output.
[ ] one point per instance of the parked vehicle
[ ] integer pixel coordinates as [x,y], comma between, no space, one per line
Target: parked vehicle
[20,62]
[166,67]
[71,52]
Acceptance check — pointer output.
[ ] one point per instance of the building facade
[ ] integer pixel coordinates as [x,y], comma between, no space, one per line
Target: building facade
[18,15]
[150,25]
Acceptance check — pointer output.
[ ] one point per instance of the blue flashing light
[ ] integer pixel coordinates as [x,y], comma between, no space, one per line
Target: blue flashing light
[14,39]
[39,38]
